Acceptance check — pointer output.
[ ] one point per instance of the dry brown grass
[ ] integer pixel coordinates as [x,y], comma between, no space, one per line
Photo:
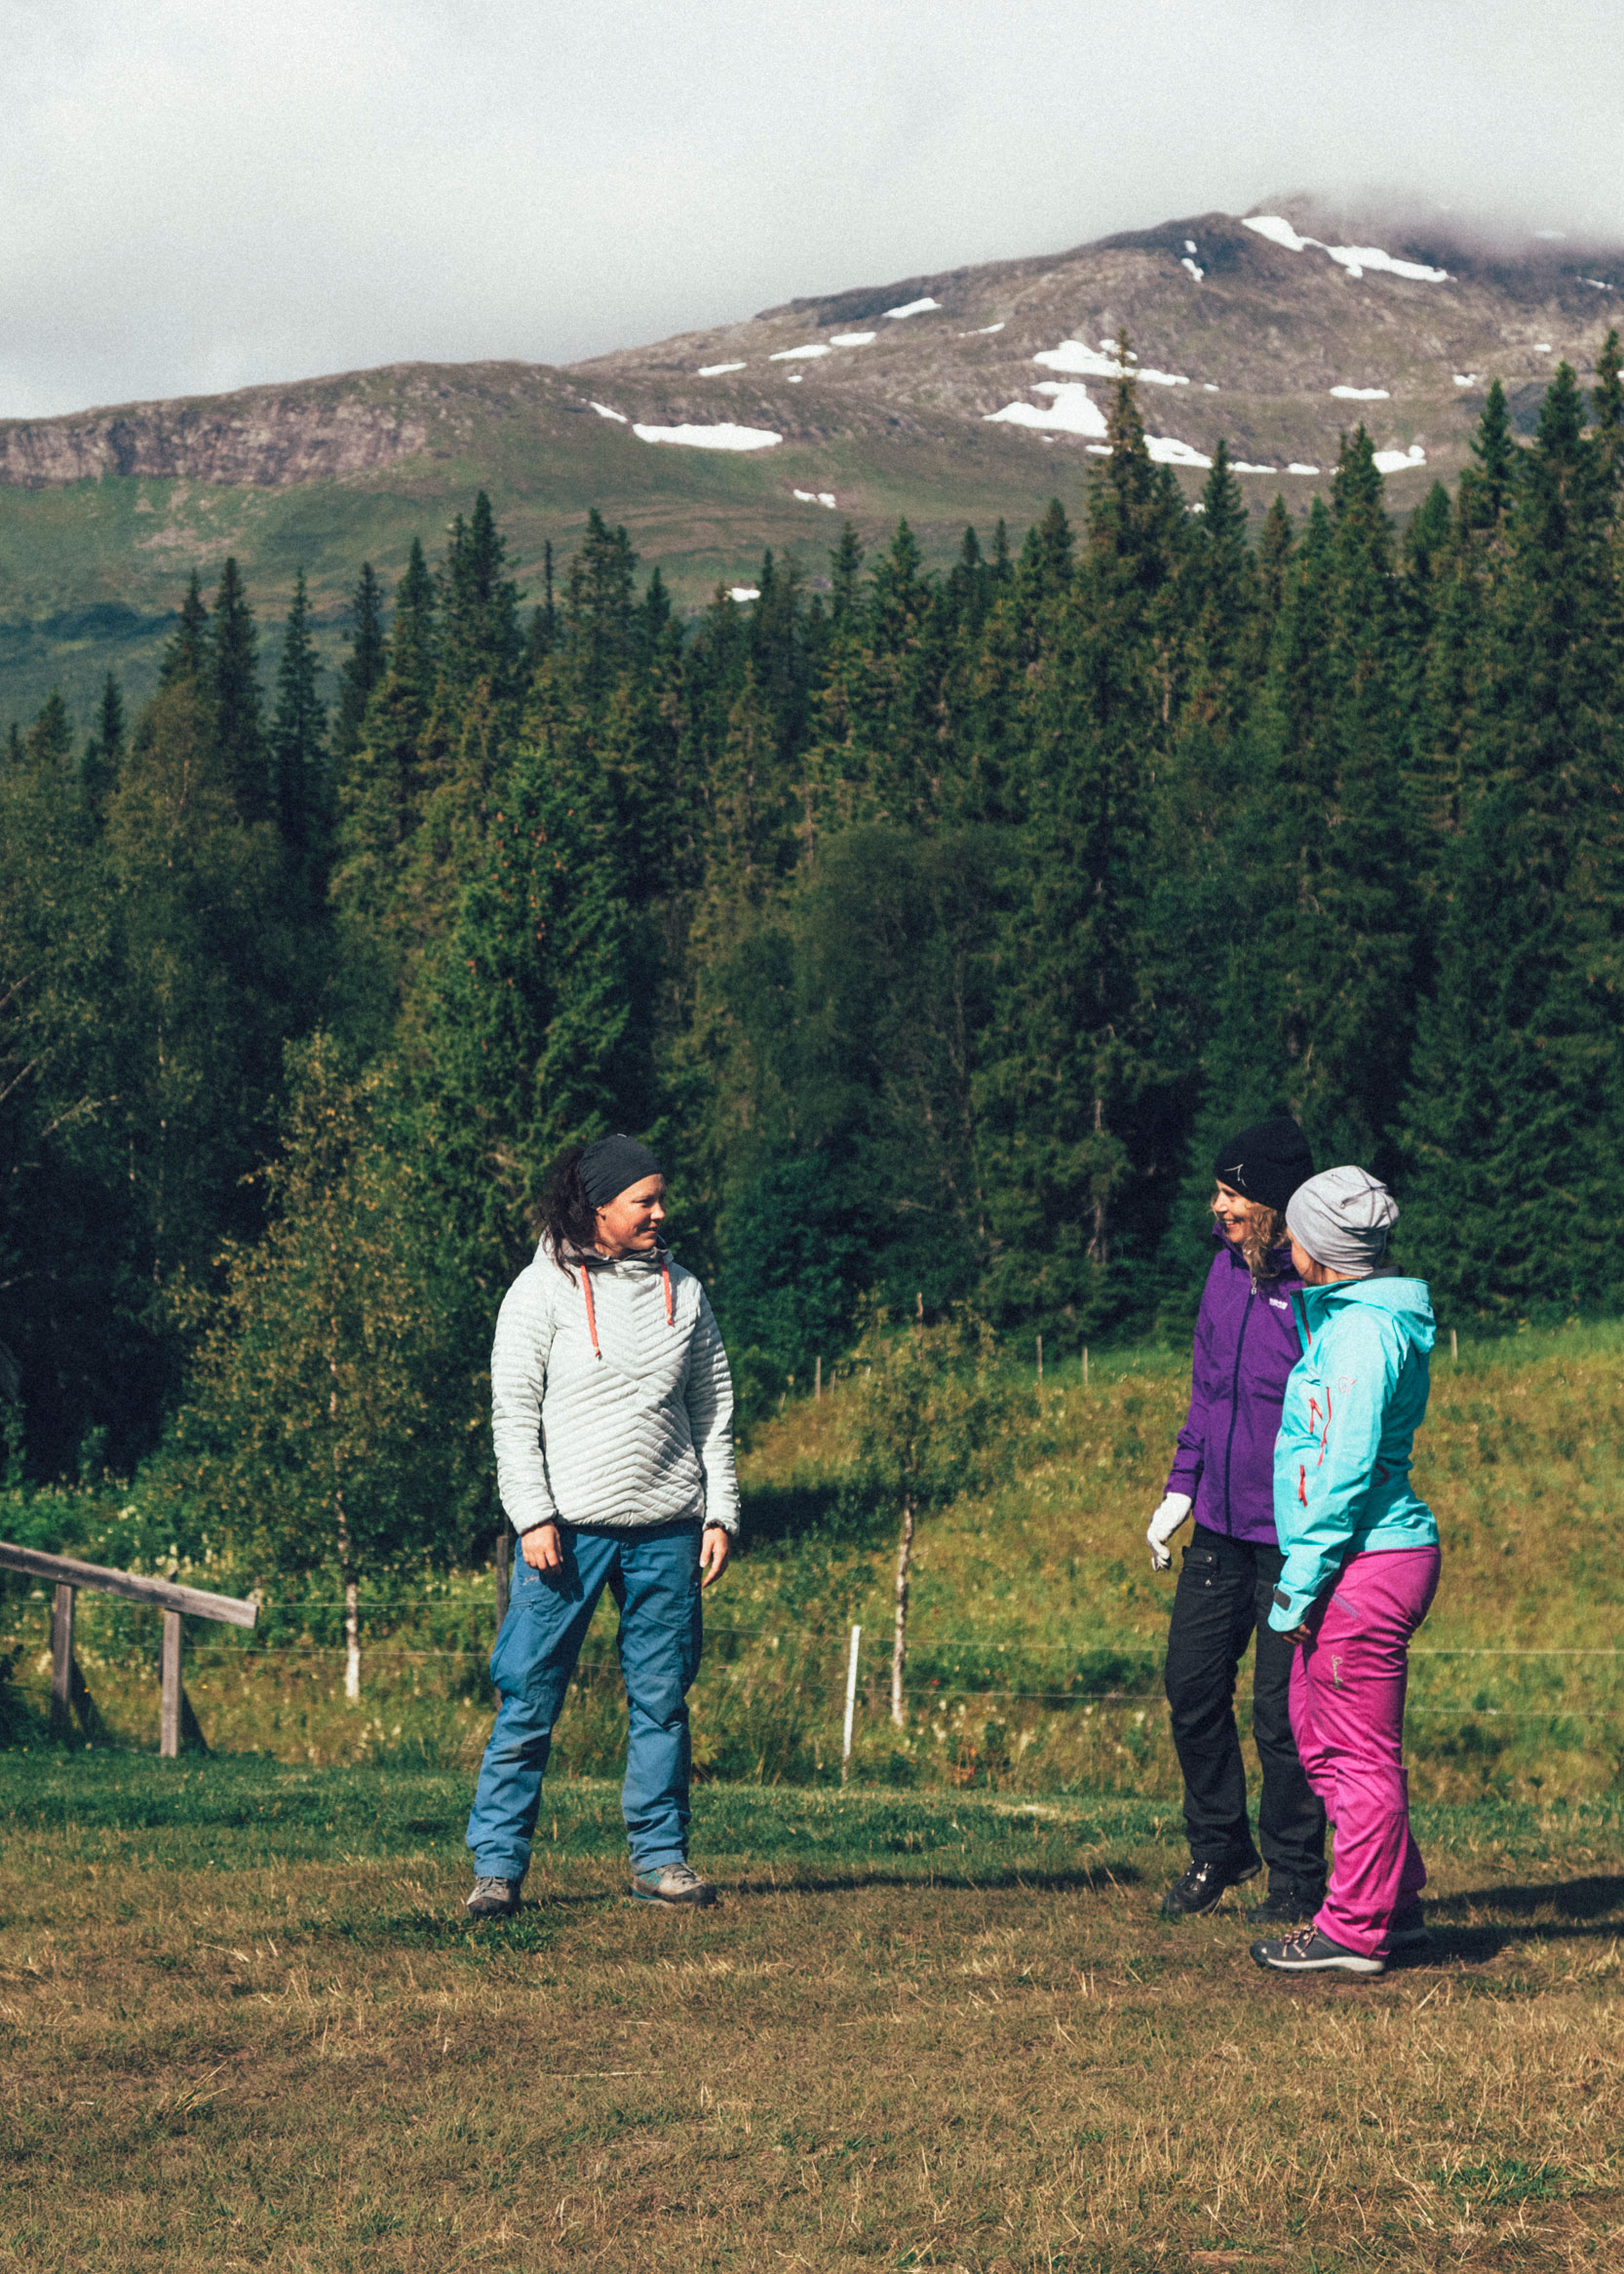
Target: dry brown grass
[917,2033]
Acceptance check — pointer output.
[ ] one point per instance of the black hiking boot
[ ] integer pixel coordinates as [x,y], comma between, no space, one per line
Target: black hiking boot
[1202,1888]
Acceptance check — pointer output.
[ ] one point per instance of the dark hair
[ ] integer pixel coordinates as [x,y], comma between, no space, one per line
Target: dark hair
[568,1218]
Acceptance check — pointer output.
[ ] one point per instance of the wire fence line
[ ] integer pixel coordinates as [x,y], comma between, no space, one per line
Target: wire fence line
[836,1643]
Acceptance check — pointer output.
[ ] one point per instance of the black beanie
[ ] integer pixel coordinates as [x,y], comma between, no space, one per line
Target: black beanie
[1266,1161]
[612,1164]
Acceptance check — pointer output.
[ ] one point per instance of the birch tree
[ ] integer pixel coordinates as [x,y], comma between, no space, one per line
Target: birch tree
[313,1425]
[931,1413]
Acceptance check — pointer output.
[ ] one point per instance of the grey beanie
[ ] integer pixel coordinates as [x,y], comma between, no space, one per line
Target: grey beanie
[1343,1217]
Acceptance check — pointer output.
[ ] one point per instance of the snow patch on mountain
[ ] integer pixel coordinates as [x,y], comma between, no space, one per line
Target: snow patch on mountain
[744,591]
[1241,465]
[1073,411]
[715,370]
[1295,468]
[980,332]
[1168,450]
[792,355]
[1072,356]
[852,338]
[1196,270]
[814,496]
[1355,258]
[604,412]
[1363,394]
[1400,461]
[726,437]
[912,308]
[1468,378]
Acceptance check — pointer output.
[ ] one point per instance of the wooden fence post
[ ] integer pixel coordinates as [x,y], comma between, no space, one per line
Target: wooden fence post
[62,1662]
[504,1566]
[169,1709]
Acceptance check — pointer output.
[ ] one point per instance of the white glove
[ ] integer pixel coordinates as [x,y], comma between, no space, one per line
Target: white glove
[1163,1525]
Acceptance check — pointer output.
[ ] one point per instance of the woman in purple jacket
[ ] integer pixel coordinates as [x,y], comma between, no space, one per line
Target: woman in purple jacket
[1245,1344]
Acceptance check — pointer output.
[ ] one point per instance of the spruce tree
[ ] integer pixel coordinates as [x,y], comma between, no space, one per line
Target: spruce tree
[363,666]
[1607,411]
[537,1008]
[186,657]
[1516,1098]
[232,676]
[381,788]
[296,734]
[100,765]
[1487,485]
[480,633]
[49,742]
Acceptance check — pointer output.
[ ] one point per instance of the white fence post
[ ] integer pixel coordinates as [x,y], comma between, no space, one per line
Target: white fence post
[851,1705]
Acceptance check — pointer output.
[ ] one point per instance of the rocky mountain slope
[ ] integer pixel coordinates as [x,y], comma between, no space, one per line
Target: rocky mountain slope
[964,396]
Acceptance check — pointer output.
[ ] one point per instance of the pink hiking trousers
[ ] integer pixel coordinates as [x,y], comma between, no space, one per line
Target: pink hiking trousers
[1347,1716]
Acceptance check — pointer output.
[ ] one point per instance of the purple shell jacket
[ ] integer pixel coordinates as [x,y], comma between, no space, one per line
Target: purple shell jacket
[1245,1344]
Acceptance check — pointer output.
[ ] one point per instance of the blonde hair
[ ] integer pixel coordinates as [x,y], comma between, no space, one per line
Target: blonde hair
[1266,1229]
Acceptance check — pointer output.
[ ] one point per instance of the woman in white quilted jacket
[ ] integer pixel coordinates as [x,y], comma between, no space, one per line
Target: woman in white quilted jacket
[612,1415]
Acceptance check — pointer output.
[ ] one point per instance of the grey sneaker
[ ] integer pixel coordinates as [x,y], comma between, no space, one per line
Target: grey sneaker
[493,1899]
[673,1883]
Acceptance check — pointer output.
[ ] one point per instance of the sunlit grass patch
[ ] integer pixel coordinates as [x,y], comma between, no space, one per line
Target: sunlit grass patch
[246,2022]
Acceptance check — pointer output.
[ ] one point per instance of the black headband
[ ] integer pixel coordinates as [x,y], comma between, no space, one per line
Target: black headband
[612,1164]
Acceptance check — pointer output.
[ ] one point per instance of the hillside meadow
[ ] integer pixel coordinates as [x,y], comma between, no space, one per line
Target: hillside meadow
[1036,1624]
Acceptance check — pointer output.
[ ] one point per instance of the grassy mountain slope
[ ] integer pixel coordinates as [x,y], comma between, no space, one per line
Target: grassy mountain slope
[103,515]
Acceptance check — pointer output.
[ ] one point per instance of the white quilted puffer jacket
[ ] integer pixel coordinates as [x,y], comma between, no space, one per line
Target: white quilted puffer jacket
[611,1402]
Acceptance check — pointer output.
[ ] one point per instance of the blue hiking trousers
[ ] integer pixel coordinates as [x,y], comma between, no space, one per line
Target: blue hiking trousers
[653,1577]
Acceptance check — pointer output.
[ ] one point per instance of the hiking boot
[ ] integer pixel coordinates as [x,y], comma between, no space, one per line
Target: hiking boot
[1202,1888]
[493,1899]
[1312,1952]
[1408,1930]
[1286,1905]
[677,1884]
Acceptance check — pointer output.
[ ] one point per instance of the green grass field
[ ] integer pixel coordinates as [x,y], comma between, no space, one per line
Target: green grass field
[1037,1625]
[245,2024]
[936,2020]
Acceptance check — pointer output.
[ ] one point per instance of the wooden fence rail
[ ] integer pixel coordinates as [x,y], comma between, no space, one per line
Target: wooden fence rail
[68,1695]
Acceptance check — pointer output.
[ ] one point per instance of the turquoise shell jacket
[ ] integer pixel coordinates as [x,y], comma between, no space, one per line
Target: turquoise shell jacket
[1354,1401]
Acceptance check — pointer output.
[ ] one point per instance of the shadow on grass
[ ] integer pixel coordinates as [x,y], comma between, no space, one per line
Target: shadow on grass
[960,1877]
[844,1511]
[1585,1911]
[1590,1898]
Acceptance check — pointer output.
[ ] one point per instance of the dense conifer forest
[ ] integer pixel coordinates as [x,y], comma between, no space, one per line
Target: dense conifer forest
[934,928]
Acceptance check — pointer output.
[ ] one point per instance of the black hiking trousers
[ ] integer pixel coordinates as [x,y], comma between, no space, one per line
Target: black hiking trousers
[1221,1599]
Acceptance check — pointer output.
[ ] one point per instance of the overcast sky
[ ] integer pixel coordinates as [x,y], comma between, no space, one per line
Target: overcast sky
[200,194]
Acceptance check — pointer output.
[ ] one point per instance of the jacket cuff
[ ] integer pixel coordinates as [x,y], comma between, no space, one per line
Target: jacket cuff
[1286,1611]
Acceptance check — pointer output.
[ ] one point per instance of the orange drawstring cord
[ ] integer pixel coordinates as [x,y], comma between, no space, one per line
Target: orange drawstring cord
[592,1315]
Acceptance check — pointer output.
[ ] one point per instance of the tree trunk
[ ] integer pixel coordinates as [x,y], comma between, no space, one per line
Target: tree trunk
[352,1593]
[352,1642]
[899,1646]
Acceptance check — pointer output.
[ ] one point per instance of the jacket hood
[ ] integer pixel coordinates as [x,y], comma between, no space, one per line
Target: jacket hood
[1408,1302]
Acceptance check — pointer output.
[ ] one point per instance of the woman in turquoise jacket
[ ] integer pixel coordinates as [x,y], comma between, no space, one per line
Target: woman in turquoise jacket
[1361,1563]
